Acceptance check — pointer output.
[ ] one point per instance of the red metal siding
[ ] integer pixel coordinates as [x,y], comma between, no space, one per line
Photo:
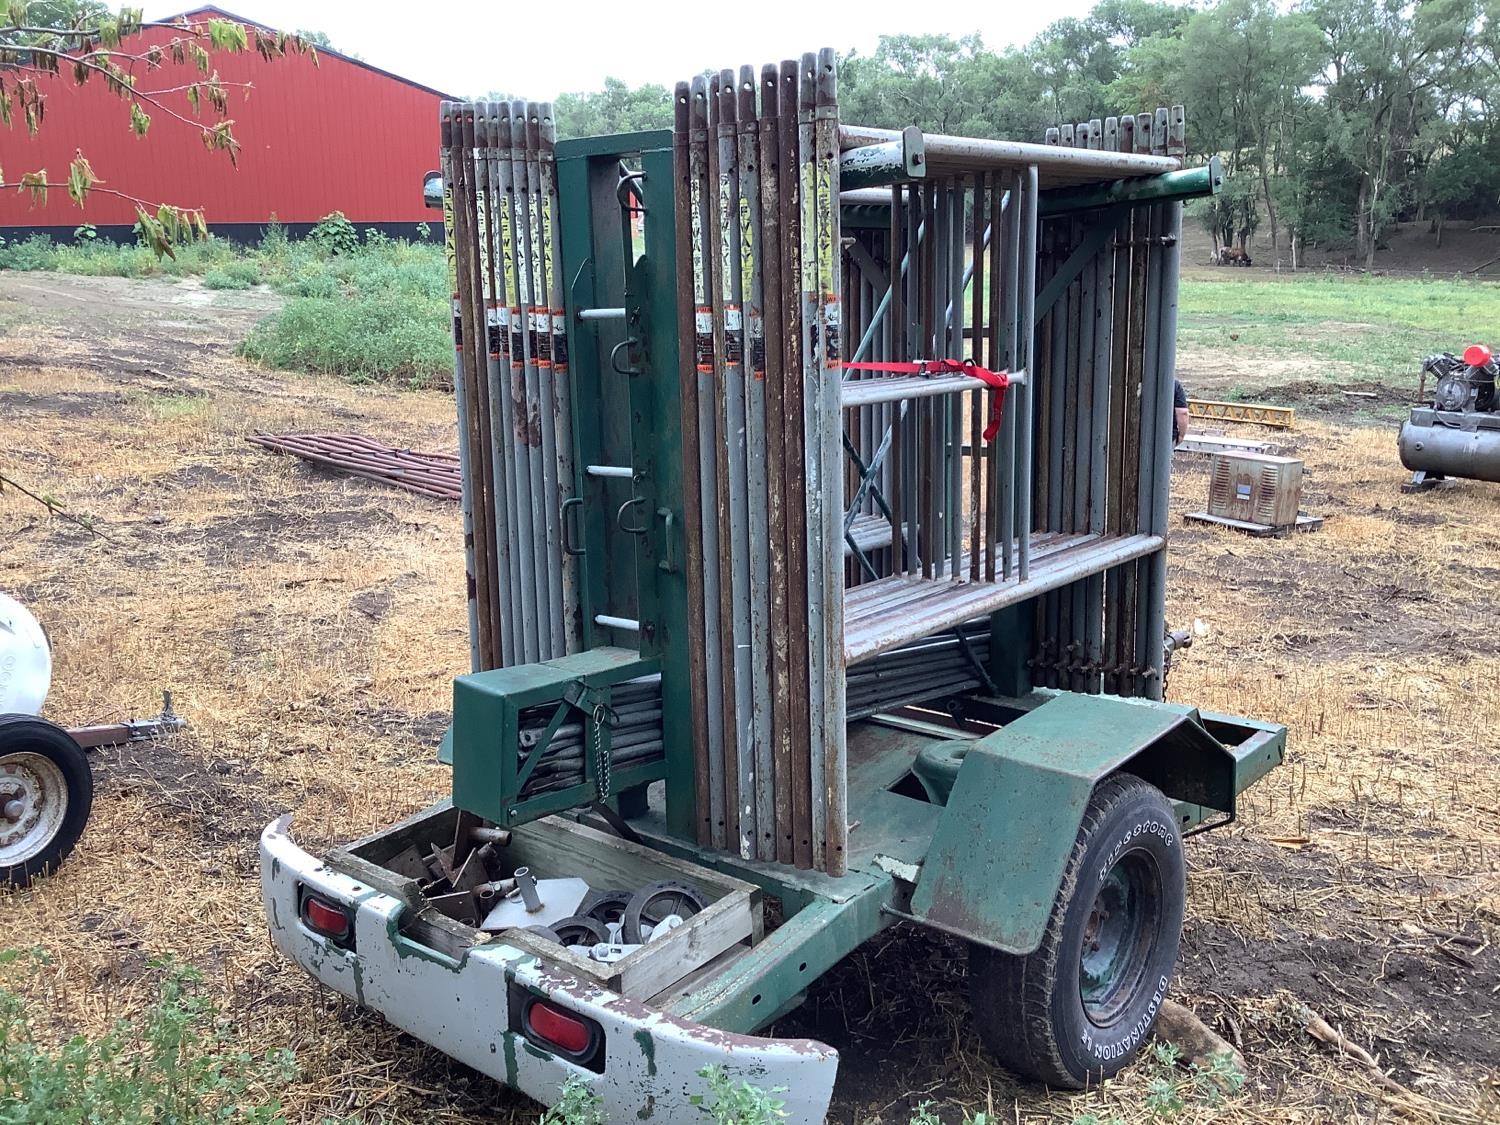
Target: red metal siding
[337,136]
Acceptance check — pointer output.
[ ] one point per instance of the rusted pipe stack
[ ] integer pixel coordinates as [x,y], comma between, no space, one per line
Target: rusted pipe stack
[759,273]
[511,379]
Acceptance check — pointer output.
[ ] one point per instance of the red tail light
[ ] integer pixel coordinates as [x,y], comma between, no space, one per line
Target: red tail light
[568,1033]
[1476,355]
[325,918]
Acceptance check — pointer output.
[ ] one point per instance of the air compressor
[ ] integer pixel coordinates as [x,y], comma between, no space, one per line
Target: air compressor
[1458,433]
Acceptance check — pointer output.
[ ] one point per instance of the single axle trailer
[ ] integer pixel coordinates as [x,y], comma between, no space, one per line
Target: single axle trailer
[815,512]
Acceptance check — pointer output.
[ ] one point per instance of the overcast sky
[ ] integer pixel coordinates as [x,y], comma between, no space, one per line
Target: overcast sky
[460,46]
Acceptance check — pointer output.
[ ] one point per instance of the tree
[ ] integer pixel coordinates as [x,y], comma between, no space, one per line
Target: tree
[78,41]
[618,108]
[933,81]
[1388,62]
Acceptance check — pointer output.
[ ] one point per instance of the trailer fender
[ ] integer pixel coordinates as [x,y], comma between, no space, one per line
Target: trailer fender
[996,860]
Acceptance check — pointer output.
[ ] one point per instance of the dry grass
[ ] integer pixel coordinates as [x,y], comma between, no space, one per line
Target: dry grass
[310,627]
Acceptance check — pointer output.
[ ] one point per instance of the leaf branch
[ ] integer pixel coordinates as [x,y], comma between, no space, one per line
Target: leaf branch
[54,507]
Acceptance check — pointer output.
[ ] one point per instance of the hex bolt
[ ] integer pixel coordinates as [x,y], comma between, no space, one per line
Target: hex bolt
[526,881]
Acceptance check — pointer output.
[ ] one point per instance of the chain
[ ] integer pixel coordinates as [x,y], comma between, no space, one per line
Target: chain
[602,757]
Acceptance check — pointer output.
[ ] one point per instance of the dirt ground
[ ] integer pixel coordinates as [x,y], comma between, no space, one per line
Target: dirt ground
[1468,249]
[310,625]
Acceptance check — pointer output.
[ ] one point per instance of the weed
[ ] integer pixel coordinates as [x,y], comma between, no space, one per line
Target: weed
[34,253]
[576,1105]
[737,1103]
[371,338]
[241,273]
[175,1063]
[334,234]
[170,407]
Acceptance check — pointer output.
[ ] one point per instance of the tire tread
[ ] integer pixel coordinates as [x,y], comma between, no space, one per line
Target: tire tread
[1012,995]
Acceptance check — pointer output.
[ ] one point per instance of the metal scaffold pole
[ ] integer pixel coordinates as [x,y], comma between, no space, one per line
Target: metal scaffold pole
[851,526]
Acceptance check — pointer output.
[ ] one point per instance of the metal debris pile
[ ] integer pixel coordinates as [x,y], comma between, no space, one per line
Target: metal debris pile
[431,474]
[467,882]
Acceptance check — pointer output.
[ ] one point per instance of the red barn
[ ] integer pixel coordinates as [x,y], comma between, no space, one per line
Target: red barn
[338,135]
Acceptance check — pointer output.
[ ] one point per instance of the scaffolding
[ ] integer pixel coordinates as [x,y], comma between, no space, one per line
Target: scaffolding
[862,418]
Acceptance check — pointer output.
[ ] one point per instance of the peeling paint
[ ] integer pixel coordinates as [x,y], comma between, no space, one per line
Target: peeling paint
[510,1059]
[647,1044]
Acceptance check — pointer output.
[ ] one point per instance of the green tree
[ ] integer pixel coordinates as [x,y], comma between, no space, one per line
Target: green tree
[936,82]
[617,108]
[1389,62]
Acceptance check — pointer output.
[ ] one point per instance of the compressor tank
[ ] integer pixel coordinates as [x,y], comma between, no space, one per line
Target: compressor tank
[1451,444]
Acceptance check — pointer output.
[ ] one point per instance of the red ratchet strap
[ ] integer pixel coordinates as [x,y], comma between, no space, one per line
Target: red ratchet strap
[998,380]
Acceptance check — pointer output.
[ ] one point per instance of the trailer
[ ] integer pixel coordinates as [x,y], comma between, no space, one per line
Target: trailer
[815,513]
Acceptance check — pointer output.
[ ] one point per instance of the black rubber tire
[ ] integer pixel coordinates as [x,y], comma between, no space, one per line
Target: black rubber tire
[645,907]
[580,929]
[1029,1009]
[27,734]
[606,906]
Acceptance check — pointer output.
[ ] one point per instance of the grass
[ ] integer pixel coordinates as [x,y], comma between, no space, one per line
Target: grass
[174,1062]
[1365,327]
[371,311]
[312,625]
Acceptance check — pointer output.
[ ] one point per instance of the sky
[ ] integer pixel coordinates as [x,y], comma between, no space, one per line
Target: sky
[461,46]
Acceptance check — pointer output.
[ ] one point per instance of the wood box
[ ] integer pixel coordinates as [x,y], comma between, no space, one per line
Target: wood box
[557,847]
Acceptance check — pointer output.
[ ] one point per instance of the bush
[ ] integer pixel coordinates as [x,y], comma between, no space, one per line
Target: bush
[175,1063]
[334,234]
[239,273]
[34,253]
[364,339]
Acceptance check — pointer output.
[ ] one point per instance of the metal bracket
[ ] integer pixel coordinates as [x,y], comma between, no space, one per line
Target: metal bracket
[567,534]
[667,562]
[614,357]
[620,516]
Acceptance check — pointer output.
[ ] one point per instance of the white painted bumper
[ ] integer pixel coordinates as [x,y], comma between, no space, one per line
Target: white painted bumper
[651,1059]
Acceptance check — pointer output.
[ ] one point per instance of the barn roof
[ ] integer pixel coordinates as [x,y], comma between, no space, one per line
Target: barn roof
[214,10]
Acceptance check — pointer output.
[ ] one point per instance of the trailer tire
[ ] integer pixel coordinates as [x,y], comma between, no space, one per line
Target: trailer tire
[1080,1007]
[46,793]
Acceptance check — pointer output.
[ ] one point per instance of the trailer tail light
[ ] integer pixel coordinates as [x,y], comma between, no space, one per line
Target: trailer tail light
[554,1028]
[327,919]
[1476,355]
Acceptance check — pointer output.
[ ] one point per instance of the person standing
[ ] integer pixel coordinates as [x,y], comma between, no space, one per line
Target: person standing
[1179,413]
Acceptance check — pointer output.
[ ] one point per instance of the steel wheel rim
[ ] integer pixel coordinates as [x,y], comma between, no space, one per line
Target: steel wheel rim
[1118,937]
[656,908]
[33,788]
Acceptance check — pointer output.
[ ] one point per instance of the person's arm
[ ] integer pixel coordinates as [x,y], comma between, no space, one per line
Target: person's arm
[1179,413]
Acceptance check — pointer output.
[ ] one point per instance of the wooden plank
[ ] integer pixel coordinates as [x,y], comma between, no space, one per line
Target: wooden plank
[1259,413]
[555,846]
[1304,522]
[703,937]
[1213,443]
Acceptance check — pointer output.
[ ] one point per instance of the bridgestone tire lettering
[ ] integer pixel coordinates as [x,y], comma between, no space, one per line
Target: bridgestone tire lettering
[1029,1009]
